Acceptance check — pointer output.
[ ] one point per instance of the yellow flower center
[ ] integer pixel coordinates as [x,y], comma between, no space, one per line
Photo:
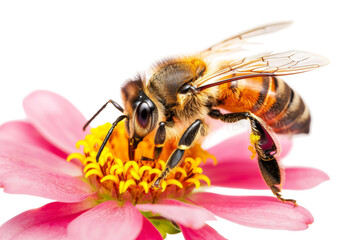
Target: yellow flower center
[117,177]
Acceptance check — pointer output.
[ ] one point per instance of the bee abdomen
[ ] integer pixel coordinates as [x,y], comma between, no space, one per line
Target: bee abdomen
[282,108]
[269,98]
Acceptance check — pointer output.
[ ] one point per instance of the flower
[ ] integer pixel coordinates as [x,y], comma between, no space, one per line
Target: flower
[113,200]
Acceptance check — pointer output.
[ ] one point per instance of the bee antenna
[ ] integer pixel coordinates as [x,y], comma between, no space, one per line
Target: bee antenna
[108,136]
[118,107]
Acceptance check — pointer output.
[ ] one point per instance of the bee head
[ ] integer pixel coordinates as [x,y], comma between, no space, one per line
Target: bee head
[141,111]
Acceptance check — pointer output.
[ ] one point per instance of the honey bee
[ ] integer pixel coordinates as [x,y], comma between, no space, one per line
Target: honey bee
[180,94]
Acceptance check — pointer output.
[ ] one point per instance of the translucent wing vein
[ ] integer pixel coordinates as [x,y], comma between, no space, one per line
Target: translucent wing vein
[276,64]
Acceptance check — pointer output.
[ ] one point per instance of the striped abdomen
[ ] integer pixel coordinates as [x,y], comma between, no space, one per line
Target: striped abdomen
[269,98]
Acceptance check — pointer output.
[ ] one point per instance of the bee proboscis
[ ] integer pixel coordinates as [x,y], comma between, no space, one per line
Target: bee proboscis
[188,90]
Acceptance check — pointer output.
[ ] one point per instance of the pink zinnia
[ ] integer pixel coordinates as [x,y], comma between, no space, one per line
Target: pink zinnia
[114,202]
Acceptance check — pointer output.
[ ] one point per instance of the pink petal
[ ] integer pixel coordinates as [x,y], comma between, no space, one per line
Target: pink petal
[107,220]
[299,178]
[182,213]
[47,222]
[237,147]
[42,183]
[235,174]
[286,144]
[204,233]
[247,175]
[18,155]
[23,131]
[56,119]
[253,211]
[148,231]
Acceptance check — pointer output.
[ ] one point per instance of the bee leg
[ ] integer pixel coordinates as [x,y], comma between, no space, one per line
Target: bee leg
[184,143]
[159,140]
[271,173]
[265,147]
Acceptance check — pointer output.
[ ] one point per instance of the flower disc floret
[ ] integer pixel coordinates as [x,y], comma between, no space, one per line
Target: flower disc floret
[118,177]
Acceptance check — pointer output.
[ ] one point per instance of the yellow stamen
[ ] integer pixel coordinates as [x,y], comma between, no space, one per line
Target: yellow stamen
[119,171]
[182,171]
[78,156]
[94,172]
[105,156]
[119,162]
[197,160]
[197,170]
[121,187]
[81,143]
[134,174]
[174,182]
[162,163]
[145,185]
[194,181]
[154,170]
[143,169]
[127,184]
[191,161]
[88,160]
[163,186]
[111,178]
[133,164]
[92,166]
[114,168]
[114,174]
[204,178]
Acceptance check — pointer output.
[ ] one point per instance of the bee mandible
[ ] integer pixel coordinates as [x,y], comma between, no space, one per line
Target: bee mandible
[181,93]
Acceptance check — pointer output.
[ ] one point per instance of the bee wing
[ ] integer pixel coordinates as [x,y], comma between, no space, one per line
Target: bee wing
[266,64]
[234,43]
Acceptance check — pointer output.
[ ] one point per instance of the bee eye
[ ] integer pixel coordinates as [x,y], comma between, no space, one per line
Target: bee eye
[143,114]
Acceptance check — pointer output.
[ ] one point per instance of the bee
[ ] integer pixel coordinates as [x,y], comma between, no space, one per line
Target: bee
[180,94]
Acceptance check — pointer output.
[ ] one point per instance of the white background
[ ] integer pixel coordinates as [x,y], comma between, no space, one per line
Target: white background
[84,50]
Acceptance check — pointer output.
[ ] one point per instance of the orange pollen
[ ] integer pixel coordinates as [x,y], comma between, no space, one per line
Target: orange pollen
[117,177]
